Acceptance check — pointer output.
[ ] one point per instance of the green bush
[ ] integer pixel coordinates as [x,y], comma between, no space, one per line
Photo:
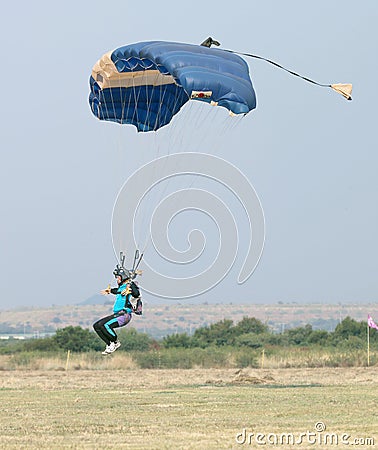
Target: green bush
[47,344]
[10,346]
[318,337]
[148,360]
[353,343]
[348,327]
[134,341]
[250,325]
[178,340]
[246,358]
[212,357]
[298,335]
[77,339]
[251,340]
[219,333]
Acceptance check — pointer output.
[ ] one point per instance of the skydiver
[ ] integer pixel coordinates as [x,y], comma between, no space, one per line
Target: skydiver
[126,303]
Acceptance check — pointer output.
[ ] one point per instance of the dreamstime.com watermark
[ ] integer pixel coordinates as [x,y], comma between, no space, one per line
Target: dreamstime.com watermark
[319,437]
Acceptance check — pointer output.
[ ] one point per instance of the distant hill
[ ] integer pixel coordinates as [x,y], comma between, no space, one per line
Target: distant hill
[159,320]
[95,299]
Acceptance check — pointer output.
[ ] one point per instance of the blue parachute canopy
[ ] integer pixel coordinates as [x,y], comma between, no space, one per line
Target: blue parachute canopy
[147,83]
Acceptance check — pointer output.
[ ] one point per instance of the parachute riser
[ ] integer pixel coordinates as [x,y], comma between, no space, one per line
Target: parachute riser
[137,260]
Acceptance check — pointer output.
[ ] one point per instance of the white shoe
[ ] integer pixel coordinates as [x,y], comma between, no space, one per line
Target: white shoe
[107,350]
[113,346]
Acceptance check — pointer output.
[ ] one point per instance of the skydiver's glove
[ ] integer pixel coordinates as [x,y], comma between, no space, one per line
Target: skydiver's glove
[106,291]
[126,291]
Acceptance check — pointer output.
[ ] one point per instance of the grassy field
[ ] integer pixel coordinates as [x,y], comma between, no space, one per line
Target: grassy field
[189,409]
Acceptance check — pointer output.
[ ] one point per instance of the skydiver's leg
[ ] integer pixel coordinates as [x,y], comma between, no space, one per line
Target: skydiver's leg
[99,330]
[116,321]
[103,328]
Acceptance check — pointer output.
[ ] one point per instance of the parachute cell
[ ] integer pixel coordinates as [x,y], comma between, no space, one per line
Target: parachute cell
[147,83]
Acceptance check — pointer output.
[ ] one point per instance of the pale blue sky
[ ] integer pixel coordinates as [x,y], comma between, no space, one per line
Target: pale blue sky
[310,154]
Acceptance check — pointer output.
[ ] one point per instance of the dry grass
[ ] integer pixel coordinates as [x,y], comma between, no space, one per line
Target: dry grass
[174,409]
[76,361]
[190,358]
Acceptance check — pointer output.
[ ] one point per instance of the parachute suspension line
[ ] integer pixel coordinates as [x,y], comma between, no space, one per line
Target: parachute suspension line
[195,113]
[138,238]
[137,260]
[122,258]
[128,103]
[222,129]
[224,124]
[170,131]
[159,109]
[184,129]
[158,192]
[171,142]
[202,127]
[136,99]
[148,101]
[180,135]
[173,127]
[227,124]
[153,196]
[107,111]
[175,133]
[199,128]
[344,89]
[108,117]
[124,102]
[136,96]
[232,122]
[113,103]
[136,256]
[120,96]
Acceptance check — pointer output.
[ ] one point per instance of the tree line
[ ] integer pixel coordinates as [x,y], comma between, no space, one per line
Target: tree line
[248,333]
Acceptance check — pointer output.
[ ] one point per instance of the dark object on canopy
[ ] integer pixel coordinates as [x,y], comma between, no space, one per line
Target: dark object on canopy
[209,42]
[146,84]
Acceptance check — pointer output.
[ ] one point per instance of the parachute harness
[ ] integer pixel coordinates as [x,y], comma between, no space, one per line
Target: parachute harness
[129,275]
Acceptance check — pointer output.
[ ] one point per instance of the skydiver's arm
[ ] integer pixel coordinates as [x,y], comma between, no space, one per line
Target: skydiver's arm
[109,290]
